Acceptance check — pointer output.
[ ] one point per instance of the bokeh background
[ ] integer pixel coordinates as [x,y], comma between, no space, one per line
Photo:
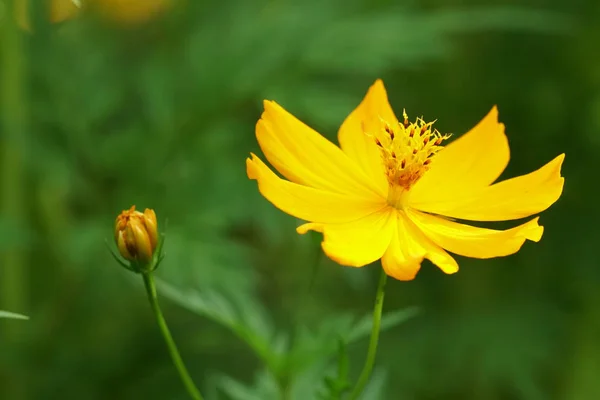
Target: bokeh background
[154,103]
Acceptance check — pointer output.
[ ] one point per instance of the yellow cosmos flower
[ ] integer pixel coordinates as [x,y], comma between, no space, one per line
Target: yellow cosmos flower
[391,191]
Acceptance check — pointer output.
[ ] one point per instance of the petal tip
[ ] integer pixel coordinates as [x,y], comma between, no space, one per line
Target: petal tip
[251,169]
[378,82]
[559,161]
[378,91]
[270,104]
[449,269]
[493,116]
[533,231]
[536,234]
[311,226]
[557,169]
[271,110]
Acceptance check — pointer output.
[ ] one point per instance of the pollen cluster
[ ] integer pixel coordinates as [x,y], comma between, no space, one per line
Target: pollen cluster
[407,149]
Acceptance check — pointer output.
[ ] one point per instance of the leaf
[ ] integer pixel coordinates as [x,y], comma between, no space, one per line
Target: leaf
[264,387]
[363,328]
[317,344]
[419,36]
[245,318]
[338,385]
[8,314]
[237,390]
[375,389]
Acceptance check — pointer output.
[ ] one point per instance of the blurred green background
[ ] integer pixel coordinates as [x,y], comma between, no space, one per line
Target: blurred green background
[114,107]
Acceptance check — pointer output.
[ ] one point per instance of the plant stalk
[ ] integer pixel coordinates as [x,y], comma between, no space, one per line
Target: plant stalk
[373,341]
[172,347]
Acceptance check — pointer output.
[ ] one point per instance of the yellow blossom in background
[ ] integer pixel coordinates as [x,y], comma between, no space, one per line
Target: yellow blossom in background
[131,11]
[58,11]
[393,190]
[136,234]
[126,12]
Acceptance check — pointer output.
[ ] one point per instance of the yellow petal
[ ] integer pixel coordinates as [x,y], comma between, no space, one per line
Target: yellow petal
[475,242]
[308,203]
[513,198]
[356,143]
[151,226]
[357,243]
[304,156]
[138,240]
[123,246]
[408,248]
[467,164]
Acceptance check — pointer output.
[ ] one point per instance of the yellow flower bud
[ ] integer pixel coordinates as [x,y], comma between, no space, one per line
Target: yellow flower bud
[136,234]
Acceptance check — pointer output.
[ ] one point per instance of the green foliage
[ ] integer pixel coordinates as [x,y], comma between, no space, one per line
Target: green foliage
[288,357]
[162,115]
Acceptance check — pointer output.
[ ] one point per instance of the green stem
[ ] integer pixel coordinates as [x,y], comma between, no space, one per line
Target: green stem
[370,361]
[175,356]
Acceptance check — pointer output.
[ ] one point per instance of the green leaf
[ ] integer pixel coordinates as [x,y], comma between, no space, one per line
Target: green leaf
[363,328]
[244,317]
[338,385]
[8,314]
[375,389]
[264,387]
[311,345]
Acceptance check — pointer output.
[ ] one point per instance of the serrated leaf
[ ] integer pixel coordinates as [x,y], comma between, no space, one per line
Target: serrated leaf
[264,387]
[237,390]
[317,344]
[245,319]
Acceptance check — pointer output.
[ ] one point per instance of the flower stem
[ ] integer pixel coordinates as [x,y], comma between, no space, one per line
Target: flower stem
[370,361]
[175,356]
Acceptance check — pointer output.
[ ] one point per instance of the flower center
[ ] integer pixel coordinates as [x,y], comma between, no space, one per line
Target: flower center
[407,150]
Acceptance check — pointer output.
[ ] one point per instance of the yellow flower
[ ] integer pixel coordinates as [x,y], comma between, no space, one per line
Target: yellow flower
[132,11]
[136,234]
[391,191]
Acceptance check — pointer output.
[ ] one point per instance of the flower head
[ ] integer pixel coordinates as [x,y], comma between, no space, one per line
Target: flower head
[136,235]
[392,190]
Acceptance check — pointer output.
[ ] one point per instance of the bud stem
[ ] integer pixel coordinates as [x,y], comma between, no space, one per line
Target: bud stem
[162,324]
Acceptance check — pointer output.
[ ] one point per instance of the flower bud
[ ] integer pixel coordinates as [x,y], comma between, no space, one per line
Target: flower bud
[136,235]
